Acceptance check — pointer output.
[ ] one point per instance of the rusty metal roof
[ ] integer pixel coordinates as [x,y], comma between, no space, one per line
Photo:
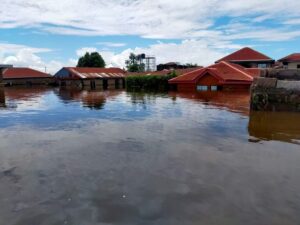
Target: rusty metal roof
[18,72]
[93,73]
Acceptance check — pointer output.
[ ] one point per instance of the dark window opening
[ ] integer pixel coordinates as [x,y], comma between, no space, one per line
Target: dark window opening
[93,84]
[105,84]
[262,65]
[117,82]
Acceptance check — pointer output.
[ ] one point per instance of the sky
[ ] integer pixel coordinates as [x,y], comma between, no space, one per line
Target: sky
[50,34]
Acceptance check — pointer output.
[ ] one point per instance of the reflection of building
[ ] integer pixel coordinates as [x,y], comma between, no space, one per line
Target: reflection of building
[222,75]
[91,78]
[20,93]
[25,76]
[88,98]
[248,58]
[2,98]
[291,62]
[282,126]
[232,101]
[25,93]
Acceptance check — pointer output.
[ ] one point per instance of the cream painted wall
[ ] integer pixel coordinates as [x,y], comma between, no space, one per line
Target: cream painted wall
[293,66]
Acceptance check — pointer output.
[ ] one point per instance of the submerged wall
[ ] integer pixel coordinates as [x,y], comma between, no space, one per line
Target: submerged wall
[271,94]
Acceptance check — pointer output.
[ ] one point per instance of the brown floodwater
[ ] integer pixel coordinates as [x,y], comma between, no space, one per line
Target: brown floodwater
[116,157]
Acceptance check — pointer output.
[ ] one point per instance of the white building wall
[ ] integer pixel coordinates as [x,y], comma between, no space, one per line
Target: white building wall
[293,66]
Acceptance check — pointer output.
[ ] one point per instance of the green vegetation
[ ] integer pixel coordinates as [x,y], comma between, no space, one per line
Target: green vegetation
[91,60]
[152,82]
[191,65]
[135,63]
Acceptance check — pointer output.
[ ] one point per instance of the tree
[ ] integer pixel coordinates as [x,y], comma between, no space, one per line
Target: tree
[191,65]
[135,63]
[91,60]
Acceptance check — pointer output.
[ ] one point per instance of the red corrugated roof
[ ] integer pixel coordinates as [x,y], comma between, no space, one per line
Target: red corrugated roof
[14,73]
[295,57]
[245,54]
[94,72]
[223,71]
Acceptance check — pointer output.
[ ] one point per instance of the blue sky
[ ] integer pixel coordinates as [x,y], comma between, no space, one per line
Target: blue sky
[52,33]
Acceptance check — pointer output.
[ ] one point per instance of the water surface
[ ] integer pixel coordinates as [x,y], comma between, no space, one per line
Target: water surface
[114,157]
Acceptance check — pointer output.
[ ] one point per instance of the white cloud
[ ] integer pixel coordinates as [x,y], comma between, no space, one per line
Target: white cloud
[187,51]
[161,19]
[80,52]
[26,56]
[206,29]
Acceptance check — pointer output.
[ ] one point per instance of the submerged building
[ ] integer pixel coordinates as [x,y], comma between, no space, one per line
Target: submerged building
[222,75]
[91,78]
[249,58]
[24,76]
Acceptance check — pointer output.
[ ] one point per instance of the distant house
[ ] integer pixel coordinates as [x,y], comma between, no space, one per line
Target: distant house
[249,58]
[91,78]
[25,76]
[291,62]
[169,66]
[164,72]
[173,66]
[222,75]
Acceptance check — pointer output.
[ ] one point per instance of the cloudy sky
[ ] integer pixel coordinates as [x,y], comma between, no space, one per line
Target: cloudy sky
[54,33]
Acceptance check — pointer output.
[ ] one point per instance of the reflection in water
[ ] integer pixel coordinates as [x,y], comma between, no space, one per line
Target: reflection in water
[89,98]
[232,101]
[20,97]
[279,126]
[2,98]
[24,93]
[144,158]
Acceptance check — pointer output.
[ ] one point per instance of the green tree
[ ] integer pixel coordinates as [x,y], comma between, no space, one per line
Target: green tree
[134,63]
[91,60]
[191,65]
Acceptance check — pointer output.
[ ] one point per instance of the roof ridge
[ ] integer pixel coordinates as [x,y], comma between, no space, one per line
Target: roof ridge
[258,52]
[290,55]
[193,71]
[235,68]
[241,50]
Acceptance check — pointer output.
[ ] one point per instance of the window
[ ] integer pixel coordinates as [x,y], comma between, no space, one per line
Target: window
[93,84]
[262,65]
[214,88]
[202,88]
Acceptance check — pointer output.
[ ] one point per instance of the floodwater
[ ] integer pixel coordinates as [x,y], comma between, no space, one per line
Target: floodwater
[113,157]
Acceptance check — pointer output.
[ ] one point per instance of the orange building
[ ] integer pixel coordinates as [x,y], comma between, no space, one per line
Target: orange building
[222,75]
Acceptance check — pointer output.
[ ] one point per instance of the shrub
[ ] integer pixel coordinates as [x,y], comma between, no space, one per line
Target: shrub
[149,82]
